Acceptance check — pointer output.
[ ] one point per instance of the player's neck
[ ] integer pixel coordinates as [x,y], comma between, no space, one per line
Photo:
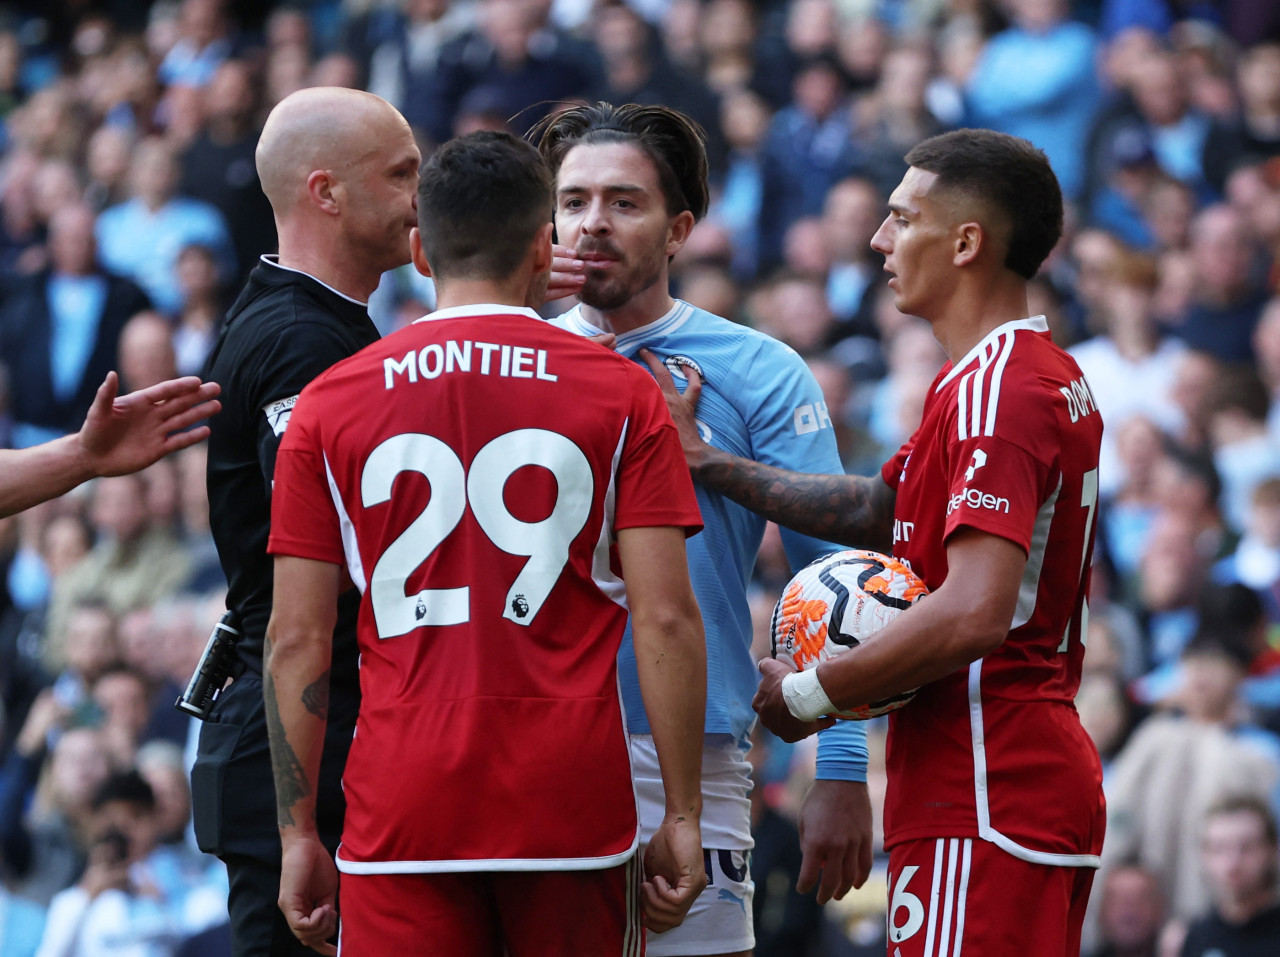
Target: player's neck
[469,292]
[641,309]
[974,311]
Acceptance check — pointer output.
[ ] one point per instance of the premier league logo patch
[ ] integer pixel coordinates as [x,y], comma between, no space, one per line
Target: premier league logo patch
[675,365]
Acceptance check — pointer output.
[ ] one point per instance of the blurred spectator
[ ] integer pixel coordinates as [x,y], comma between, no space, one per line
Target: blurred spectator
[123,697]
[218,169]
[737,201]
[203,307]
[806,152]
[1177,766]
[141,238]
[1130,365]
[1253,135]
[1121,203]
[1037,80]
[59,331]
[402,44]
[1256,559]
[1131,913]
[109,153]
[202,44]
[125,902]
[1243,452]
[21,922]
[146,351]
[524,62]
[635,71]
[1241,854]
[1266,346]
[1227,296]
[850,216]
[133,562]
[894,117]
[1128,512]
[43,844]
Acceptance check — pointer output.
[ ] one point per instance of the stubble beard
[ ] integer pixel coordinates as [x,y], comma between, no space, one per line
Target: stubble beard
[607,294]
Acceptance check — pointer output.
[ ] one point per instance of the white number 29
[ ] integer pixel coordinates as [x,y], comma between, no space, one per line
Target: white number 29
[545,543]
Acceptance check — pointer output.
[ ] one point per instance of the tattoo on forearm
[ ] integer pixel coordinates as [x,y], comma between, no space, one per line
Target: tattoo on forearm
[316,696]
[843,508]
[290,778]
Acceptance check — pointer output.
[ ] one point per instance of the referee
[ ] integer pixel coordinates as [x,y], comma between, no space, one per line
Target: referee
[340,168]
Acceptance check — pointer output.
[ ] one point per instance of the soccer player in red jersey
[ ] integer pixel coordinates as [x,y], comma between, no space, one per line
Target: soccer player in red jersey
[994,814]
[501,492]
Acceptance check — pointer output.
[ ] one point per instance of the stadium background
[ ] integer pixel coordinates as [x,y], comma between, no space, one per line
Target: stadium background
[134,123]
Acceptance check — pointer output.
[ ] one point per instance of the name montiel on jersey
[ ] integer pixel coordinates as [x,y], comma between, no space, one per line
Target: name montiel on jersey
[514,362]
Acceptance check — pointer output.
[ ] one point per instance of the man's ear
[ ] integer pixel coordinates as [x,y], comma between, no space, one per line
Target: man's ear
[969,241]
[324,191]
[542,254]
[678,232]
[416,254]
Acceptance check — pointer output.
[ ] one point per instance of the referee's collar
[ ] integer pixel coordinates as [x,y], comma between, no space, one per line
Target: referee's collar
[273,260]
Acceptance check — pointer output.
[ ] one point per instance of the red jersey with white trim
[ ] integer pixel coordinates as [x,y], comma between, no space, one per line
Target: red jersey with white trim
[471,471]
[1008,445]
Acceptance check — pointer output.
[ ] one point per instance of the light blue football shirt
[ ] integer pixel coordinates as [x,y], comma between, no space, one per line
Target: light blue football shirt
[758,401]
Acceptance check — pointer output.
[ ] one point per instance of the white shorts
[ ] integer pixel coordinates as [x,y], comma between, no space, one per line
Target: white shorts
[720,920]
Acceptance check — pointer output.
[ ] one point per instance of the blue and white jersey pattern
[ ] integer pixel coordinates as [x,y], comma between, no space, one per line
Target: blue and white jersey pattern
[758,401]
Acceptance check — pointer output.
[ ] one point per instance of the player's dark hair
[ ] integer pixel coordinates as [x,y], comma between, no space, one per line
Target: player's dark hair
[129,787]
[676,144]
[481,200]
[1009,174]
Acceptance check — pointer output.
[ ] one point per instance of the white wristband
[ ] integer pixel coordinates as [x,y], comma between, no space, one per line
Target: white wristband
[802,691]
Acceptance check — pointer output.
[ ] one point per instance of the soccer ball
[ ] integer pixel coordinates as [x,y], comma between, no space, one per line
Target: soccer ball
[839,601]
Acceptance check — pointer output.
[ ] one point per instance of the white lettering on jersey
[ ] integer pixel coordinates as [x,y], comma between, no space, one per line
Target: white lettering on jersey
[278,413]
[902,530]
[811,418]
[979,460]
[974,498]
[514,362]
[1080,401]
[704,430]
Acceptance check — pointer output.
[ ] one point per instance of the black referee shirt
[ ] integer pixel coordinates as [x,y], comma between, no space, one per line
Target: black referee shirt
[283,331]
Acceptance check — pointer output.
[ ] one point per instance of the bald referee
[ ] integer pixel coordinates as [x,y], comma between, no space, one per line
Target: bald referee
[340,168]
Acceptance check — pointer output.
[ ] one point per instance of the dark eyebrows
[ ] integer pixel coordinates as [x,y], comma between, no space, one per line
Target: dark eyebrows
[613,188]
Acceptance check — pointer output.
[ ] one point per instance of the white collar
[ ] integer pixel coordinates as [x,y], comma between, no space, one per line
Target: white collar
[479,309]
[272,259]
[1034,324]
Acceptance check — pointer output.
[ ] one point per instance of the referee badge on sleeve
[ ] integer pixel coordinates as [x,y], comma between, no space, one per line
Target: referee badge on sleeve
[278,413]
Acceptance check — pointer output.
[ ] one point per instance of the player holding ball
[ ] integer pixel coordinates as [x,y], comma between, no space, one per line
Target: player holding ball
[994,815]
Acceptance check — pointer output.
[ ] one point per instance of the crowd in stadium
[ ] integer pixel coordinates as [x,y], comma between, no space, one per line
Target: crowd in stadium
[130,215]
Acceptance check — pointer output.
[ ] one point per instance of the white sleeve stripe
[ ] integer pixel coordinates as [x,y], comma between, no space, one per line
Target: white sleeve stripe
[349,546]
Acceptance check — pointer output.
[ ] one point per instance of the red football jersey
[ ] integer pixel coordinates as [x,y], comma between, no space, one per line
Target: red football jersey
[471,471]
[1008,444]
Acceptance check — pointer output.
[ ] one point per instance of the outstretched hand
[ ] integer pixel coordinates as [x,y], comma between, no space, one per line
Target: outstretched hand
[772,707]
[681,407]
[123,434]
[674,874]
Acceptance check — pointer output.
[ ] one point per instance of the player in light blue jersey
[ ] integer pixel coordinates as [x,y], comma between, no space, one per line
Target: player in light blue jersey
[631,182]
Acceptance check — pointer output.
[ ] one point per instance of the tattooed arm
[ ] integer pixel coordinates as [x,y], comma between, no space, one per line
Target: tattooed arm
[850,509]
[299,649]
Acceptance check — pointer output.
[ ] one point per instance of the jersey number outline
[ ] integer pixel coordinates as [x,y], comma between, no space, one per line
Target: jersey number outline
[1089,500]
[545,543]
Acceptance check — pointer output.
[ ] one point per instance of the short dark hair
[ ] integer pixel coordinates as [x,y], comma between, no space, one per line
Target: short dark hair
[127,786]
[482,198]
[676,144]
[1008,173]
